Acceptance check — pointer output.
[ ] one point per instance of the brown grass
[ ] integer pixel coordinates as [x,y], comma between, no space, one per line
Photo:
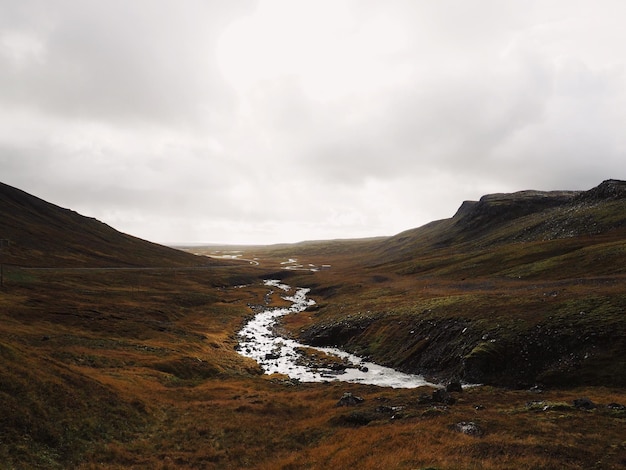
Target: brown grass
[137,369]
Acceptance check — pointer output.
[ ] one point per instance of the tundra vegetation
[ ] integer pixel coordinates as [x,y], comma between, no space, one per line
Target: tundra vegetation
[116,353]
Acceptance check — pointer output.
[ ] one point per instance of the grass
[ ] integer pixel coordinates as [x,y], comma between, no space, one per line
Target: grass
[137,368]
[167,390]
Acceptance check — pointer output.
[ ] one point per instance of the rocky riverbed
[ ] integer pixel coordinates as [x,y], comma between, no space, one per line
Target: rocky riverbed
[277,354]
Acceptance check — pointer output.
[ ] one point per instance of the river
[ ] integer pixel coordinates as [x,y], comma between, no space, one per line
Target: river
[281,355]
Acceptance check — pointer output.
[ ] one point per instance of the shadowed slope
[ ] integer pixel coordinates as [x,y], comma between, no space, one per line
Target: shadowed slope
[43,234]
[82,351]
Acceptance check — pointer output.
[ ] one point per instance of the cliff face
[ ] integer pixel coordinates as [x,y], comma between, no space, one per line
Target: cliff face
[497,208]
[607,190]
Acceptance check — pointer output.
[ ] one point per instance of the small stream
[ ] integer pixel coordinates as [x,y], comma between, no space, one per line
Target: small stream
[281,355]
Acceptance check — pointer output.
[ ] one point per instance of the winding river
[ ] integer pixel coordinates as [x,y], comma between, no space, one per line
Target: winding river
[281,355]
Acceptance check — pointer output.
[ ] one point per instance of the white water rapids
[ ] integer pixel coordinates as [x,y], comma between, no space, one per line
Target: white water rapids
[280,355]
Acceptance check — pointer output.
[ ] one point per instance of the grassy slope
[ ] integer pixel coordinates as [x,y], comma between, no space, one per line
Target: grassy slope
[42,234]
[499,294]
[137,369]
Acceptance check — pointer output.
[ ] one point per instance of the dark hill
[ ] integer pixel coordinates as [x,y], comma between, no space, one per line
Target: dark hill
[497,220]
[514,289]
[42,234]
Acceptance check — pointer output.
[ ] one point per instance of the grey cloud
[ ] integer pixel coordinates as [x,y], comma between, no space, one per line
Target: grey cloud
[457,123]
[120,110]
[121,60]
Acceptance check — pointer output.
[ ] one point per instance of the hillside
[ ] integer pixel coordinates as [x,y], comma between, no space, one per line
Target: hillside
[86,353]
[523,217]
[42,234]
[138,368]
[515,289]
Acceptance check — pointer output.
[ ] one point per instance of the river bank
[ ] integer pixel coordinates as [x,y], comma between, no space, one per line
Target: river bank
[279,355]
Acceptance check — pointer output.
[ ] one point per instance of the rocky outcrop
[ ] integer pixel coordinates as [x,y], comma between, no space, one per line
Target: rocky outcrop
[550,354]
[512,217]
[572,239]
[496,208]
[348,399]
[607,190]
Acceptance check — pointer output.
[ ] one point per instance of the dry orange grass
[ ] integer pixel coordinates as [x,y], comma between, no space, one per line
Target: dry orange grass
[138,370]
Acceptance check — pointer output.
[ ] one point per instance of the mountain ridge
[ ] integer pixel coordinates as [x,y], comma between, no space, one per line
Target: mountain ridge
[512,217]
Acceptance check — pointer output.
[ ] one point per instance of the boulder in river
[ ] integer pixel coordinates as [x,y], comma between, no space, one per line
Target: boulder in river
[454,387]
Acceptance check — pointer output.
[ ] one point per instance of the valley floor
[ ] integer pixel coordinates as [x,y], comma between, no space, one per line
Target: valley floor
[138,369]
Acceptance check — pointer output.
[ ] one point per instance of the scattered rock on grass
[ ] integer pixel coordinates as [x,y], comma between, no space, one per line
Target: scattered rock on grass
[442,396]
[349,400]
[616,406]
[584,403]
[424,399]
[354,419]
[468,427]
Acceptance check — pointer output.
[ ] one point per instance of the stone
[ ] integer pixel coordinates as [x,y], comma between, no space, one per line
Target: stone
[584,404]
[424,399]
[454,387]
[354,419]
[349,400]
[442,396]
[469,427]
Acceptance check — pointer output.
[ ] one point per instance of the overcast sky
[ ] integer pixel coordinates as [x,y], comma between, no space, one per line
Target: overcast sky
[280,121]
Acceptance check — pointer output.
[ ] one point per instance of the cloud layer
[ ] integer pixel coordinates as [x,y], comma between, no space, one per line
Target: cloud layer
[278,121]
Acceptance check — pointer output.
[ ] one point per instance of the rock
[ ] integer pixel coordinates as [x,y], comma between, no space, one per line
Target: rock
[469,427]
[384,409]
[434,412]
[442,396]
[424,399]
[608,189]
[584,404]
[393,410]
[454,387]
[616,406]
[349,400]
[354,419]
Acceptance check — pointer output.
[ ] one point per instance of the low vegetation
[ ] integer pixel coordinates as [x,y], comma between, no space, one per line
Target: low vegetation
[134,364]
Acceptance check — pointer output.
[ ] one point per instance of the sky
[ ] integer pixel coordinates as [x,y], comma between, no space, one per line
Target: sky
[259,122]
